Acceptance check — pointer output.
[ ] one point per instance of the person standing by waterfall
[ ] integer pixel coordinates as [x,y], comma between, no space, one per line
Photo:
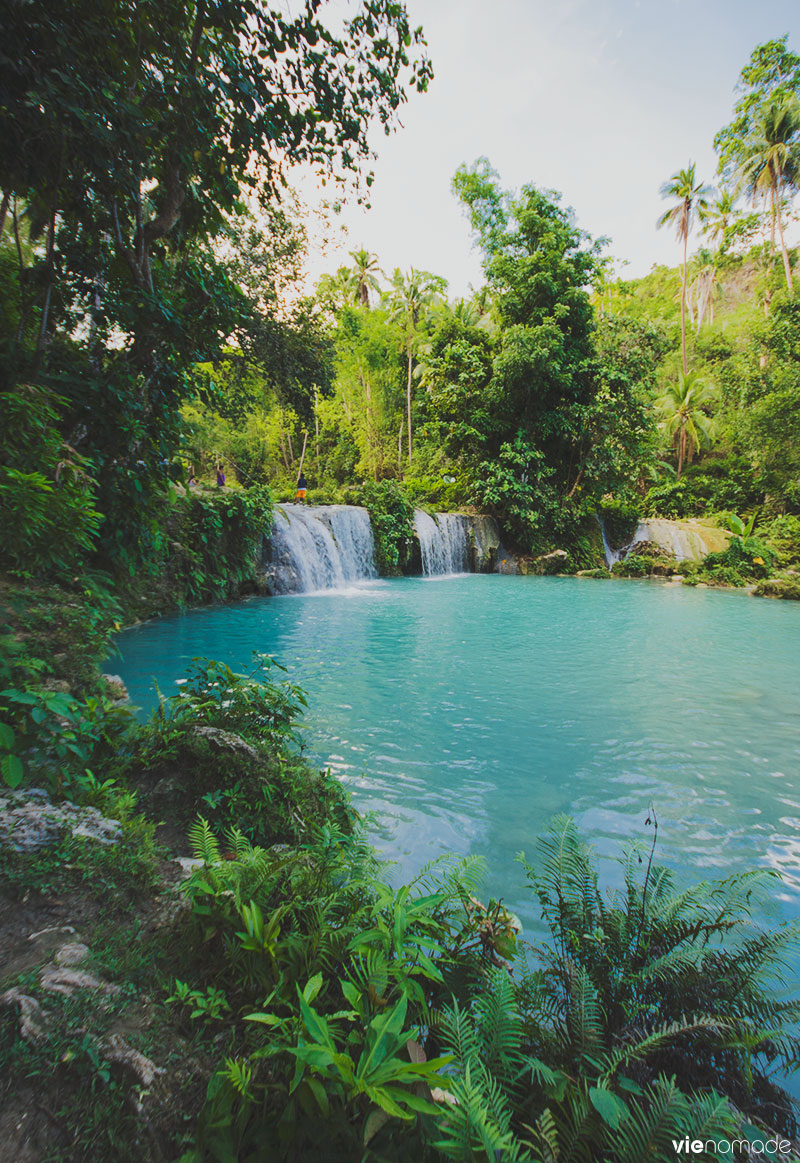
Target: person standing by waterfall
[302,485]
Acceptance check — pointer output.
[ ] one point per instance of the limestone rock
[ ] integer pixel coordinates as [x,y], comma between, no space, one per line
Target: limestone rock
[545,565]
[116,1050]
[116,688]
[71,954]
[66,981]
[226,741]
[32,1018]
[29,821]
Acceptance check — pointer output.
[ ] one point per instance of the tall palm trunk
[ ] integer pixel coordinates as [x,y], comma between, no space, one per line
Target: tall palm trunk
[408,404]
[683,303]
[787,269]
[681,449]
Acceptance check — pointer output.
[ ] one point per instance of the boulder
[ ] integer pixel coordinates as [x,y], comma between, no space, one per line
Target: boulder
[547,564]
[226,741]
[29,821]
[116,688]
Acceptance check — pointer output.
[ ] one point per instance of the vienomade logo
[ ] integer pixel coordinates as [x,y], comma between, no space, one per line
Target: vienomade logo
[734,1148]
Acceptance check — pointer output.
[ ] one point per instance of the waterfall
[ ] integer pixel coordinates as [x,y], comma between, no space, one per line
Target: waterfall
[687,540]
[319,548]
[611,555]
[443,542]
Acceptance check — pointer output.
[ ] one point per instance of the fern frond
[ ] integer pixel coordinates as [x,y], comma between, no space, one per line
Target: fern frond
[203,842]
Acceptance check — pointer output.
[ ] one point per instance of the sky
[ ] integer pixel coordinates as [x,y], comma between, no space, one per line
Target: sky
[601,100]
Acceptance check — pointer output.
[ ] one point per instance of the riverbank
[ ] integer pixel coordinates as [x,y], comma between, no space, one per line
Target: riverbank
[127,988]
[197,990]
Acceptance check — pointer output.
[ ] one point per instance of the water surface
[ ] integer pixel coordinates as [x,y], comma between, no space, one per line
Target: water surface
[463,712]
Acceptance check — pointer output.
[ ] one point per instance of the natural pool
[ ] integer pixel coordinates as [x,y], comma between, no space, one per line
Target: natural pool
[465,711]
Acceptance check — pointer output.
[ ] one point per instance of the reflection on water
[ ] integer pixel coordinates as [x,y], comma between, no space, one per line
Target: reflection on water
[466,711]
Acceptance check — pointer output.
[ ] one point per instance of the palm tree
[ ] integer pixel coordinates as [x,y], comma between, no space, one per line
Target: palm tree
[705,284]
[364,275]
[718,217]
[411,295]
[691,199]
[685,422]
[770,167]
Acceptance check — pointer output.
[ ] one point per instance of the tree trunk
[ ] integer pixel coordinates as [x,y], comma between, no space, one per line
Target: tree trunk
[302,458]
[787,269]
[4,209]
[681,450]
[408,402]
[683,305]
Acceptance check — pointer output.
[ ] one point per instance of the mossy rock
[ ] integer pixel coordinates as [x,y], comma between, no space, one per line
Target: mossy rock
[779,587]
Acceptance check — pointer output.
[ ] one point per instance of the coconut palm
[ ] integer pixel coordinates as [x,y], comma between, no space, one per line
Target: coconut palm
[770,167]
[364,275]
[705,285]
[685,421]
[718,217]
[691,198]
[411,296]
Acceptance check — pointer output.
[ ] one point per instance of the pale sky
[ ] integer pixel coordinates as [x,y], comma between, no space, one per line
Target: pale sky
[601,100]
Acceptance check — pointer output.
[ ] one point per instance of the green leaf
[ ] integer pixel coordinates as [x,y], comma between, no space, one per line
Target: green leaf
[13,772]
[6,737]
[610,1108]
[376,1120]
[264,1019]
[312,987]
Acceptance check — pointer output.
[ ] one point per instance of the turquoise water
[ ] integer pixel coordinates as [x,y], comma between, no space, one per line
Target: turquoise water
[465,711]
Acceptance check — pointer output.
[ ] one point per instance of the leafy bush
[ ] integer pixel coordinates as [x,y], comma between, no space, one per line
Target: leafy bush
[782,535]
[228,746]
[745,560]
[647,1019]
[47,498]
[55,717]
[634,565]
[335,973]
[671,499]
[779,587]
[217,538]
[620,519]
[392,517]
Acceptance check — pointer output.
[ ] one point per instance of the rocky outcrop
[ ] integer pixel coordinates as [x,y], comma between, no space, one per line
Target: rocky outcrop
[684,540]
[28,820]
[787,588]
[486,547]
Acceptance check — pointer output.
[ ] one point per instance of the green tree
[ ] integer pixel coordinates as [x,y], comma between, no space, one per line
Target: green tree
[364,275]
[683,409]
[411,297]
[127,134]
[690,199]
[545,371]
[769,163]
[773,71]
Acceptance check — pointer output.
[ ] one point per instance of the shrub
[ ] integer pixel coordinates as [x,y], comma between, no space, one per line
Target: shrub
[228,746]
[782,535]
[620,519]
[788,588]
[673,499]
[47,498]
[648,1017]
[634,565]
[392,517]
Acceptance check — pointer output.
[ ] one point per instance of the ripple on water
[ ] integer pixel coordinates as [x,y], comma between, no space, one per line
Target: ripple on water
[464,712]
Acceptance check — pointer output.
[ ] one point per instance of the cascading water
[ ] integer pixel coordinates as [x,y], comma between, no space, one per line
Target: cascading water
[319,548]
[443,542]
[611,555]
[686,540]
